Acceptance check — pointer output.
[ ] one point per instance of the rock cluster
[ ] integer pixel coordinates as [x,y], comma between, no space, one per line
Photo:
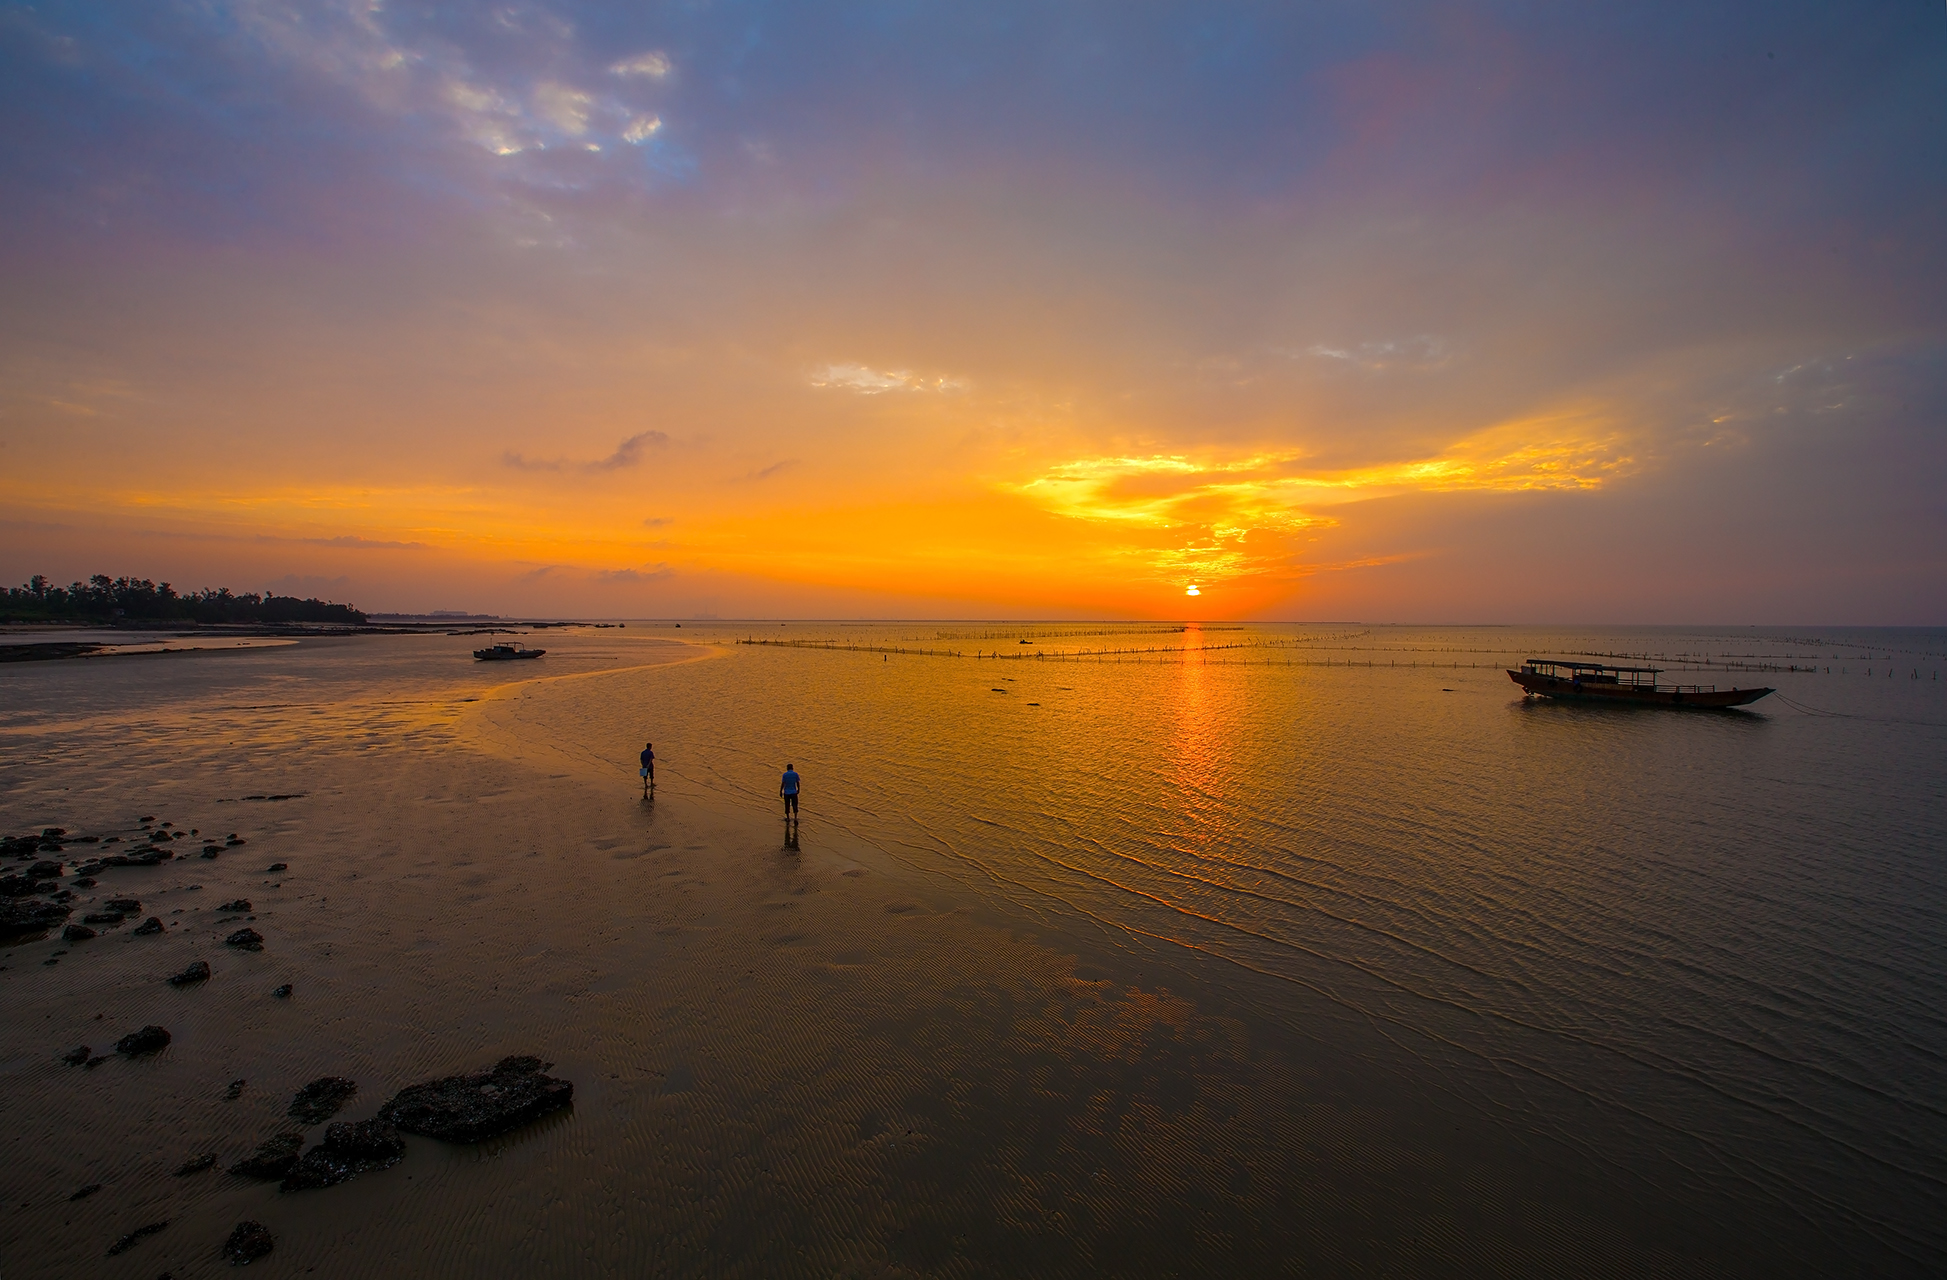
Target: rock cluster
[249,1242]
[347,1151]
[147,1040]
[245,940]
[134,1238]
[467,1108]
[319,1101]
[274,1157]
[198,972]
[21,916]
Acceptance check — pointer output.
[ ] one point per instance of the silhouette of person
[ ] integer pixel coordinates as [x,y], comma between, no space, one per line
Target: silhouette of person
[648,767]
[788,788]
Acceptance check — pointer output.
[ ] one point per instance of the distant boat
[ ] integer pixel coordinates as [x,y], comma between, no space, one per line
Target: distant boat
[506,653]
[1596,682]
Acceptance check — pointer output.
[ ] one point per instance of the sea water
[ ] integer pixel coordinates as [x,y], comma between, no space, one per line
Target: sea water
[1138,949]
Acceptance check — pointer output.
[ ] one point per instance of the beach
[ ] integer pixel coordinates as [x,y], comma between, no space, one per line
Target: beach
[1161,952]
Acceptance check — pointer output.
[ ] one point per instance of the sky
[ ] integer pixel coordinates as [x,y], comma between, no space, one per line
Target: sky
[1388,312]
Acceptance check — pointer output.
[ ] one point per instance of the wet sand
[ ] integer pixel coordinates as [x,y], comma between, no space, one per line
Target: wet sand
[811,1061]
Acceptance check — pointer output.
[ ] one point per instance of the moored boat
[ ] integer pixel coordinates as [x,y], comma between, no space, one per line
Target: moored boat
[1600,682]
[506,653]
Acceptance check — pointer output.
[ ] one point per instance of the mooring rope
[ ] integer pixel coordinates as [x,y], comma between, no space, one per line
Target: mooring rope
[1846,715]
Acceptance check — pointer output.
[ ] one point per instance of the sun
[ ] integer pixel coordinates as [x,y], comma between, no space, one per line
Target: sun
[1193,590]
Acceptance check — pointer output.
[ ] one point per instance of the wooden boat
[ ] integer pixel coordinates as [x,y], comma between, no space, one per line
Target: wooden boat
[1599,682]
[506,653]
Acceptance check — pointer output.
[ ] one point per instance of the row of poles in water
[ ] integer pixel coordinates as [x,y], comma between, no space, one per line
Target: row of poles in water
[1175,652]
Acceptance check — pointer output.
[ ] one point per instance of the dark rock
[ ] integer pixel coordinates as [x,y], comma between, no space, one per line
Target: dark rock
[236,839]
[283,992]
[273,1158]
[130,1240]
[245,939]
[85,882]
[147,1040]
[240,905]
[77,933]
[77,1055]
[54,959]
[127,906]
[102,917]
[18,916]
[198,972]
[16,886]
[150,926]
[249,1242]
[233,1091]
[140,858]
[468,1108]
[43,870]
[196,1164]
[53,833]
[347,1151]
[319,1101]
[277,866]
[210,852]
[85,1192]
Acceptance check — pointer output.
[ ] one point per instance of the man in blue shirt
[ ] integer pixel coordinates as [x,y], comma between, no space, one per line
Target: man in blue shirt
[648,767]
[788,788]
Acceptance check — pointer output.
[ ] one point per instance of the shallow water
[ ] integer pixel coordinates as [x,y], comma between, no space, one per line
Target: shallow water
[1161,951]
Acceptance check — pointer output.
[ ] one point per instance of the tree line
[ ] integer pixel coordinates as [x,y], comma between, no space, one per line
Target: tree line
[102,598]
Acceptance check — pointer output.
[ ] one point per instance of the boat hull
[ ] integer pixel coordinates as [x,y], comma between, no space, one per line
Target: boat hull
[1634,695]
[489,655]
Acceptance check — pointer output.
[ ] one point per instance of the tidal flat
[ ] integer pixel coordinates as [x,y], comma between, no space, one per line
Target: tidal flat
[1124,951]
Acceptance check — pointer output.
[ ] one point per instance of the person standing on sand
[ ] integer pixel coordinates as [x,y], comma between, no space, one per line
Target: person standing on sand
[648,767]
[788,788]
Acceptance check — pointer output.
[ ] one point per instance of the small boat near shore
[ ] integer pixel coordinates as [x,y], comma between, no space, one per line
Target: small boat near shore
[506,653]
[1599,682]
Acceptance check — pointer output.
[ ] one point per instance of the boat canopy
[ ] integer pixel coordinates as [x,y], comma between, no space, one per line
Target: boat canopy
[1600,672]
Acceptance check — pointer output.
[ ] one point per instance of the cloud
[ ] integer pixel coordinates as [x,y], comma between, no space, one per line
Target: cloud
[775,468]
[641,129]
[653,64]
[634,577]
[346,540]
[563,107]
[1419,354]
[872,382]
[1209,516]
[657,522]
[627,454]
